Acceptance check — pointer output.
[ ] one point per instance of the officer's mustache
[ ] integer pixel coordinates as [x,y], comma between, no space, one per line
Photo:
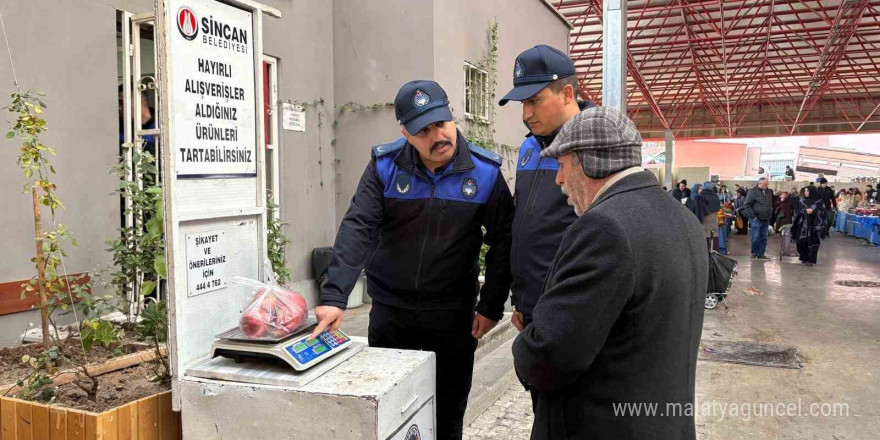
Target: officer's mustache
[439,144]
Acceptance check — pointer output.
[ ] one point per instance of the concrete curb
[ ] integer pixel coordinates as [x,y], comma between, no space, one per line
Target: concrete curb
[493,376]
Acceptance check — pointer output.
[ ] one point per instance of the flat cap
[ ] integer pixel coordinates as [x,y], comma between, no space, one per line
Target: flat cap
[605,140]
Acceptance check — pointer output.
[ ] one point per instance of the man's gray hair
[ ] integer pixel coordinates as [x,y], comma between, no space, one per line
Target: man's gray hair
[762,180]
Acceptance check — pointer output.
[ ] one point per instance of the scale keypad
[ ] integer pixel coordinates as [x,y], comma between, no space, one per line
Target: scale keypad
[333,339]
[305,351]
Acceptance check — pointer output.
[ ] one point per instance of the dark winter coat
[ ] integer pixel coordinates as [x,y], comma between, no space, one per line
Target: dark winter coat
[759,203]
[678,194]
[619,320]
[810,227]
[826,194]
[707,202]
[784,212]
[697,204]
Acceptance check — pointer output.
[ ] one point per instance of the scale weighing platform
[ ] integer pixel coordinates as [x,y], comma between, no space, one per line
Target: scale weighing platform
[284,361]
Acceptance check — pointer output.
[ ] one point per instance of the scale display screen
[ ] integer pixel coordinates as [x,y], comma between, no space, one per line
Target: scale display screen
[305,351]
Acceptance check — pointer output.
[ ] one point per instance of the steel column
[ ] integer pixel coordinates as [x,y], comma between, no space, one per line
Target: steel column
[613,54]
[667,176]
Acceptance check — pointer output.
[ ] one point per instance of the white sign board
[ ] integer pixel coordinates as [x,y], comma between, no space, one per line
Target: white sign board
[213,113]
[293,117]
[206,262]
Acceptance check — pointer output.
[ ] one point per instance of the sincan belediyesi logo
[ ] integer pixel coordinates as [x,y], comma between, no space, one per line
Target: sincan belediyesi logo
[187,23]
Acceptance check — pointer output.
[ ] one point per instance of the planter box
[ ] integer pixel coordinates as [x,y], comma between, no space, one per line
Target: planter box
[109,366]
[150,418]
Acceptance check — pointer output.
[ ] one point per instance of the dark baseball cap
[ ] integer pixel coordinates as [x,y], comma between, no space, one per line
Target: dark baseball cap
[534,69]
[419,103]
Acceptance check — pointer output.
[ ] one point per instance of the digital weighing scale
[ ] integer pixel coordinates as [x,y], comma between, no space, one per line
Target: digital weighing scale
[299,352]
[268,360]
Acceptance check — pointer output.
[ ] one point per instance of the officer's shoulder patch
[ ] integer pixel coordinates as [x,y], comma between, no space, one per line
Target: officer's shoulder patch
[485,154]
[529,142]
[391,147]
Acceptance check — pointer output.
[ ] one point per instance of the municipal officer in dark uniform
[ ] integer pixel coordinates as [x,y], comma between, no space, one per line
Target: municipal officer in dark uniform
[544,80]
[415,223]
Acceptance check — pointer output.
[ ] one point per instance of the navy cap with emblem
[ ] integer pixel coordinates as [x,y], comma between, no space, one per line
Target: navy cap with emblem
[419,103]
[534,69]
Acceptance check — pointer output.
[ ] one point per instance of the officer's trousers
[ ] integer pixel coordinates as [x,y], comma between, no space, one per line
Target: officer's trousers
[448,334]
[527,319]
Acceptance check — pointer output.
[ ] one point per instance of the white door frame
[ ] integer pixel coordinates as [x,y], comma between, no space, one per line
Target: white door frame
[274,140]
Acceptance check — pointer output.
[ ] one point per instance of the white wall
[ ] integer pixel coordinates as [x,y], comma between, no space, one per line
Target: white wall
[378,46]
[302,40]
[70,55]
[462,34]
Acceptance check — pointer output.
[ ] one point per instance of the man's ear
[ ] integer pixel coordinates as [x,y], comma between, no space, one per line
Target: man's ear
[568,91]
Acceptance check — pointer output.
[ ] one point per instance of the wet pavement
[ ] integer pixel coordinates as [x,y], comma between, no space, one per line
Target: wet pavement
[836,330]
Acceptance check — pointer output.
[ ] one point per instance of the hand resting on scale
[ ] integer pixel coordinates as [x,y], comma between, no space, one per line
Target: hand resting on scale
[328,316]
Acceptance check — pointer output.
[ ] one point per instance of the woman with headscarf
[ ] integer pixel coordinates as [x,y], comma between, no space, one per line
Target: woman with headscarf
[857,198]
[809,226]
[724,195]
[706,206]
[742,221]
[784,212]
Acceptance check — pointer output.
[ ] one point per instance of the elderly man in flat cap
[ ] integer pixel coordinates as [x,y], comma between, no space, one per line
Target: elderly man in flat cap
[619,321]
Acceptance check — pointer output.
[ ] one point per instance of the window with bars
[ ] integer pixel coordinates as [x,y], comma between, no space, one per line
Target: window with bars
[476,93]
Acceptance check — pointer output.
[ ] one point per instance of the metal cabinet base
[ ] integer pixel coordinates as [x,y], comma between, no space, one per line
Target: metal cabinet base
[378,394]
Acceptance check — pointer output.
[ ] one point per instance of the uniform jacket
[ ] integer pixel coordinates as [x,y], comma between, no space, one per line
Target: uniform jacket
[419,236]
[542,216]
[619,320]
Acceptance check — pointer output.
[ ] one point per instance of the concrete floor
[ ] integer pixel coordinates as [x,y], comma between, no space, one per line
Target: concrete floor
[836,330]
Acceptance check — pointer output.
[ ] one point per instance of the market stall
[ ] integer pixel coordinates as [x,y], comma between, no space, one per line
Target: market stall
[860,223]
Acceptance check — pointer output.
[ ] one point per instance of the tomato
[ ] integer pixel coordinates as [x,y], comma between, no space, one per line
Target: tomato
[252,326]
[276,312]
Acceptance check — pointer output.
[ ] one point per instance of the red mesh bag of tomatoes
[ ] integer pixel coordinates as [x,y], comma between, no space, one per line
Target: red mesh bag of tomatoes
[272,311]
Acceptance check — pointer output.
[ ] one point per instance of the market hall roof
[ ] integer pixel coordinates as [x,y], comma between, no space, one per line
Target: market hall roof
[737,68]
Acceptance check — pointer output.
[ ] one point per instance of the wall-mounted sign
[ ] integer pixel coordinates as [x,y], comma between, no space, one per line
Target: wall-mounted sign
[293,117]
[213,112]
[206,262]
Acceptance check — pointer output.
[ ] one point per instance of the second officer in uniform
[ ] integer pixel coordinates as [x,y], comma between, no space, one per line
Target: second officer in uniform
[416,224]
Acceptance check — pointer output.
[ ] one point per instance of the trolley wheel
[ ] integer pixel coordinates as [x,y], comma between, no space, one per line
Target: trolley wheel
[711,301]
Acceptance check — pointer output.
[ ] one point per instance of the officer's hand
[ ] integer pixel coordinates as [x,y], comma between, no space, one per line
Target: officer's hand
[481,326]
[518,321]
[328,316]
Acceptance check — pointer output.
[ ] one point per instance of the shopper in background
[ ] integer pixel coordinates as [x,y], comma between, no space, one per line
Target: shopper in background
[809,226]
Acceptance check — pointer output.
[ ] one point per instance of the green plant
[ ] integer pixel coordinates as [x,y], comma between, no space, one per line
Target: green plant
[139,252]
[101,332]
[38,386]
[482,262]
[154,328]
[276,241]
[33,159]
[482,132]
[154,323]
[353,107]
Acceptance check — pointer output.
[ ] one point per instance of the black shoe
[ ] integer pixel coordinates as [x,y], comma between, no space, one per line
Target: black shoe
[808,264]
[754,256]
[762,257]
